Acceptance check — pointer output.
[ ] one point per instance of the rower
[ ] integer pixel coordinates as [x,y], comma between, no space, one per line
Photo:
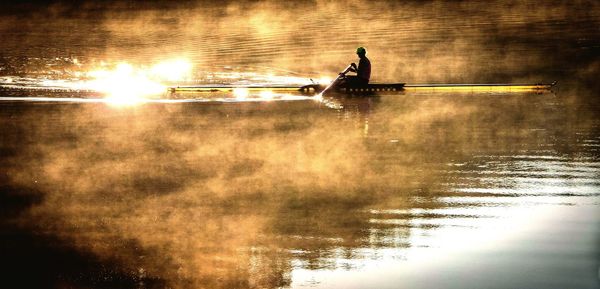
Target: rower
[363,71]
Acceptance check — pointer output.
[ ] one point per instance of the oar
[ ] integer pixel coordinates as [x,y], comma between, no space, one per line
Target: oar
[335,81]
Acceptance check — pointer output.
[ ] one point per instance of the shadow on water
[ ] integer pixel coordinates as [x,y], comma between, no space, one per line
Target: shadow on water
[237,195]
[36,259]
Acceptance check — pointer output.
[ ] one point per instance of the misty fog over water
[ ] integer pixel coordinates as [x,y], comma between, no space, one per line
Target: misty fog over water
[464,41]
[416,189]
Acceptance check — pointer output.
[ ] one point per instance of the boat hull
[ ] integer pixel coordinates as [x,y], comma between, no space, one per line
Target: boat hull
[371,88]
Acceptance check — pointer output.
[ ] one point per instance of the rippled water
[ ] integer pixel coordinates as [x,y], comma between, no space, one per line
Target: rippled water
[416,189]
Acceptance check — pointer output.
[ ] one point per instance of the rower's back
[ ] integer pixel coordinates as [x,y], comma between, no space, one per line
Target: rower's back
[364,68]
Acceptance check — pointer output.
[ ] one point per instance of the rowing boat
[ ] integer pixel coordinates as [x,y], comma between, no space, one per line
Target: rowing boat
[339,85]
[370,88]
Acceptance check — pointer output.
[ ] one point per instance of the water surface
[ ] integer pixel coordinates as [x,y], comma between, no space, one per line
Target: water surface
[420,189]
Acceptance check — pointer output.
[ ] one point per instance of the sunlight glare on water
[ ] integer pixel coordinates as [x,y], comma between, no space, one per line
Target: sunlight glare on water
[126,85]
[172,70]
[122,85]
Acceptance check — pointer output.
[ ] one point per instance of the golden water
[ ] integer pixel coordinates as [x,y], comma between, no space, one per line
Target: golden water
[417,189]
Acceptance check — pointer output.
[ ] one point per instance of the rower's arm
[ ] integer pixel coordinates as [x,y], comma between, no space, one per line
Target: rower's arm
[352,67]
[349,68]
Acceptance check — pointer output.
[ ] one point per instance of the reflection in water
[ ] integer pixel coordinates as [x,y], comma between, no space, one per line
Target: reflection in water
[272,194]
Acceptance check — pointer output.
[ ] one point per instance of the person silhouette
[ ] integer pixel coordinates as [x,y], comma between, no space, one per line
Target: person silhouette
[363,70]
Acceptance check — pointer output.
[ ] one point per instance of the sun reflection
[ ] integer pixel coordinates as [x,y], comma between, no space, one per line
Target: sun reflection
[172,70]
[267,94]
[325,80]
[318,97]
[128,85]
[240,93]
[124,85]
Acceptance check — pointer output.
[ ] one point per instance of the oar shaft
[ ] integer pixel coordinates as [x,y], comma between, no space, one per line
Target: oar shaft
[335,81]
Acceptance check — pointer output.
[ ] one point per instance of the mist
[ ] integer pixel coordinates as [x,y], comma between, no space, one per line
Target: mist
[413,42]
[194,194]
[242,194]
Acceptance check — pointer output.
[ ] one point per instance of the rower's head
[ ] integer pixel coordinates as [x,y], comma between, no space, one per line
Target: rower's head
[361,51]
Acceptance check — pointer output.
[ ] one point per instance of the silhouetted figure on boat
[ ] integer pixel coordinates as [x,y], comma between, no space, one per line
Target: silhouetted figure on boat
[363,71]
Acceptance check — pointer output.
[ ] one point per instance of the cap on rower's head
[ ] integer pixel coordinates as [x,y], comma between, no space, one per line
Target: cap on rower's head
[361,50]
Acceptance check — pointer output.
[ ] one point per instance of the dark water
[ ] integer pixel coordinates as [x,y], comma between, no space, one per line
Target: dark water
[418,189]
